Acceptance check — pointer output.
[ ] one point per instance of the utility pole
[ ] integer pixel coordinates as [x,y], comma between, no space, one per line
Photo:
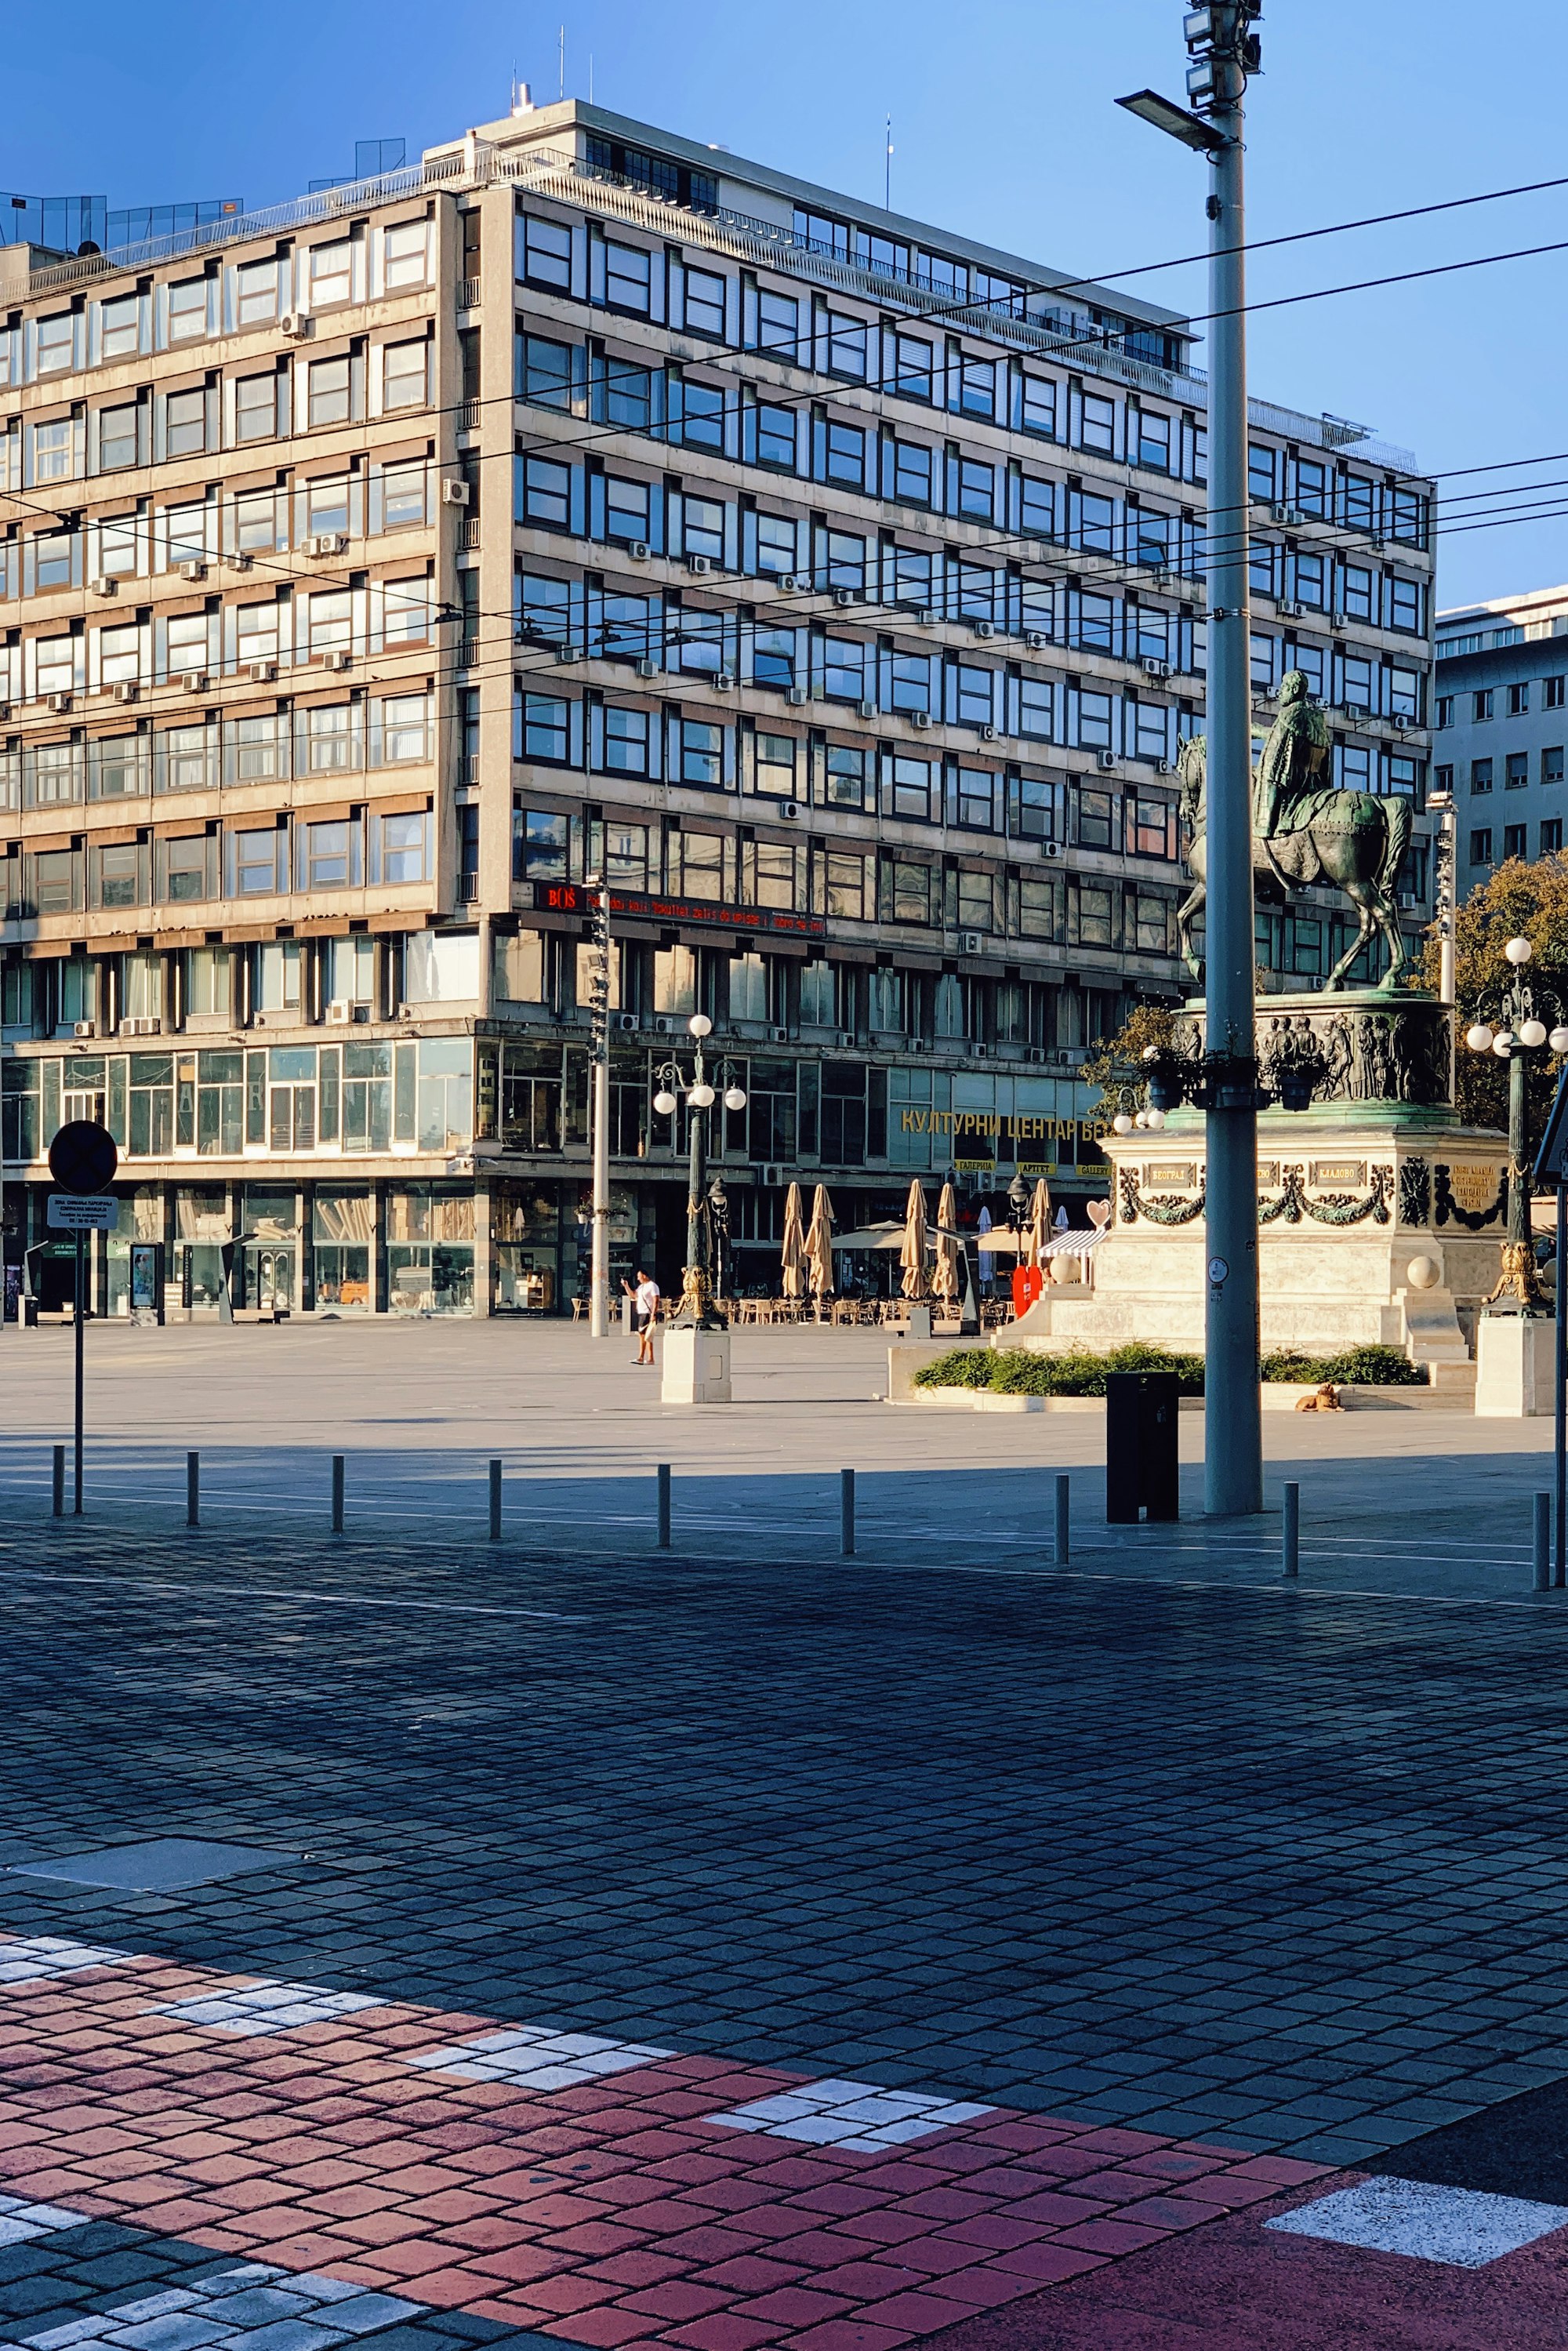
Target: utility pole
[1224,50]
[598,999]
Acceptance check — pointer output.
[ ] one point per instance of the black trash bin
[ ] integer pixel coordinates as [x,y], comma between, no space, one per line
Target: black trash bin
[1141,1411]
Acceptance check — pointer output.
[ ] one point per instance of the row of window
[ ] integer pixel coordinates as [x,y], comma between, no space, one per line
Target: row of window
[154,427]
[221,640]
[582,262]
[1515,770]
[268,859]
[1483,702]
[220,299]
[685,519]
[269,747]
[1516,841]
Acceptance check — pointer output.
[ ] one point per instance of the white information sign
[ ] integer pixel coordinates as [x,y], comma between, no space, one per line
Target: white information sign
[81,1212]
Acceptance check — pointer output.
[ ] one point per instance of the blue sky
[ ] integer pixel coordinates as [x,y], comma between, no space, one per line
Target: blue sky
[1003,127]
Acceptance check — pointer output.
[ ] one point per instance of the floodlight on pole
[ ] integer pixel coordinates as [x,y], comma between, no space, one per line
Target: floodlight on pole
[1175,121]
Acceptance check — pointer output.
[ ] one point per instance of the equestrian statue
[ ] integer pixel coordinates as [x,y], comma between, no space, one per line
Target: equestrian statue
[1305,829]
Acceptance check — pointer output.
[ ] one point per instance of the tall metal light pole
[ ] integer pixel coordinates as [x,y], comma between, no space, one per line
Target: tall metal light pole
[1224,50]
[599,1285]
[697,1294]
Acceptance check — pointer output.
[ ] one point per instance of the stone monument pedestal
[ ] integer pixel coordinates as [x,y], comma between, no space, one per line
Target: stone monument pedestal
[696,1366]
[1513,1366]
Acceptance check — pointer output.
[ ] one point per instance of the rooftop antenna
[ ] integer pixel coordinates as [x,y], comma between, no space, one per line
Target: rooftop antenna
[887,171]
[563,61]
[590,77]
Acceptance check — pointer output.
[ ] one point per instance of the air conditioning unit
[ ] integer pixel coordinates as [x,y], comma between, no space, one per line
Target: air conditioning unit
[1336,620]
[979,1051]
[790,808]
[569,653]
[1277,514]
[1291,611]
[140,1026]
[927,616]
[1157,668]
[1036,1053]
[791,582]
[58,702]
[125,690]
[1294,518]
[296,325]
[454,494]
[843,597]
[335,661]
[1378,539]
[920,719]
[987,733]
[325,542]
[846,1036]
[638,551]
[191,569]
[626,1021]
[1163,576]
[1162,766]
[985,628]
[664,1026]
[724,680]
[1105,759]
[1051,848]
[1356,712]
[780,1036]
[646,668]
[236,561]
[866,709]
[971,942]
[263,673]
[191,681]
[340,1012]
[84,1027]
[1036,640]
[798,696]
[103,585]
[1402,726]
[701,564]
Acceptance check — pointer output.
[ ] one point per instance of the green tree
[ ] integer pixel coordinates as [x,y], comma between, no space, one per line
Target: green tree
[1519,901]
[1118,1061]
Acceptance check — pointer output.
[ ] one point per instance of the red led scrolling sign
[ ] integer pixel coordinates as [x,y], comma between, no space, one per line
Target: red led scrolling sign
[572,898]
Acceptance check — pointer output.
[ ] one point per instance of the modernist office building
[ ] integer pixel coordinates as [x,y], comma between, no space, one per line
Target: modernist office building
[1502,712]
[379,568]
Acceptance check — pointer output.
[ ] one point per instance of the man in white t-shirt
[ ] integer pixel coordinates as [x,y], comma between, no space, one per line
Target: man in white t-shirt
[644,1307]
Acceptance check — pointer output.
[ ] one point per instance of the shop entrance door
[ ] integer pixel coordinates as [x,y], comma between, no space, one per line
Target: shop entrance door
[269,1278]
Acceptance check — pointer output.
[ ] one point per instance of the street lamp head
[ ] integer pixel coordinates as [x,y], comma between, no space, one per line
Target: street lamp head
[735,1098]
[1518,951]
[1154,1118]
[1558,1040]
[1479,1038]
[700,1097]
[700,1024]
[1532,1032]
[1121,1123]
[665,1103]
[1502,1044]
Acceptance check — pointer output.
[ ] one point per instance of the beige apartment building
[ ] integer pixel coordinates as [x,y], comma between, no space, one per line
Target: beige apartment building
[378,568]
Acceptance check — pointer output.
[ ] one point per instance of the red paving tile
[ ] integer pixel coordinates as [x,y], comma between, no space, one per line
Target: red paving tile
[610,2214]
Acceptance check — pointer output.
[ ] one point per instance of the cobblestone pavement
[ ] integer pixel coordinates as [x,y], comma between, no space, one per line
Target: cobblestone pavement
[608,1923]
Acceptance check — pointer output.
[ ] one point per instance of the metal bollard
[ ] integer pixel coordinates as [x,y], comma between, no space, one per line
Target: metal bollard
[337,1493]
[1290,1531]
[495,1501]
[193,1489]
[1543,1542]
[846,1514]
[664,1506]
[1063,1519]
[59,1494]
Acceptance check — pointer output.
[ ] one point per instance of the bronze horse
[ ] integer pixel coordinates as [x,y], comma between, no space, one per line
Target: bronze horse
[1357,841]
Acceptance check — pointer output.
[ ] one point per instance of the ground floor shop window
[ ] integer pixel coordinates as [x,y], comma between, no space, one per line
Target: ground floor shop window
[201,1230]
[430,1250]
[343,1226]
[527,1262]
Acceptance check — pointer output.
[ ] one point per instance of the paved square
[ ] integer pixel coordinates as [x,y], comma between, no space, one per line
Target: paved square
[38,1959]
[1427,2223]
[161,1865]
[261,2010]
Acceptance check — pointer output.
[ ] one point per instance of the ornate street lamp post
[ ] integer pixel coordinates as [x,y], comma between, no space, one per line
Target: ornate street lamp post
[696,1306]
[1507,1023]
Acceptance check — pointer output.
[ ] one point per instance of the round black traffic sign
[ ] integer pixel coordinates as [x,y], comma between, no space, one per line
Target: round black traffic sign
[82,1156]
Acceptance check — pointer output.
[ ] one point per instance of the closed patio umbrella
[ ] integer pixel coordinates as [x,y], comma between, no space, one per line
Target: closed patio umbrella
[793,1252]
[912,1255]
[819,1246]
[944,1279]
[1039,1221]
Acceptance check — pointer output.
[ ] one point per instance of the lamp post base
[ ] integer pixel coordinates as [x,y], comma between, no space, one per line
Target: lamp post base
[697,1366]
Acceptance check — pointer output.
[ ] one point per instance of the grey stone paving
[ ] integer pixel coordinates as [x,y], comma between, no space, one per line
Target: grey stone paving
[1158,1842]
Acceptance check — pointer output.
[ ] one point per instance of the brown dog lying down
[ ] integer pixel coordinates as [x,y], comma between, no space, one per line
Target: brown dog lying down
[1325,1399]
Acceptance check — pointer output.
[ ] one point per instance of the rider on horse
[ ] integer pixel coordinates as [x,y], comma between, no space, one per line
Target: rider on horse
[1293,784]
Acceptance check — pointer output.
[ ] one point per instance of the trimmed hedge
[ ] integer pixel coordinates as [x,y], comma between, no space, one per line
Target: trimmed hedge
[1011,1371]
